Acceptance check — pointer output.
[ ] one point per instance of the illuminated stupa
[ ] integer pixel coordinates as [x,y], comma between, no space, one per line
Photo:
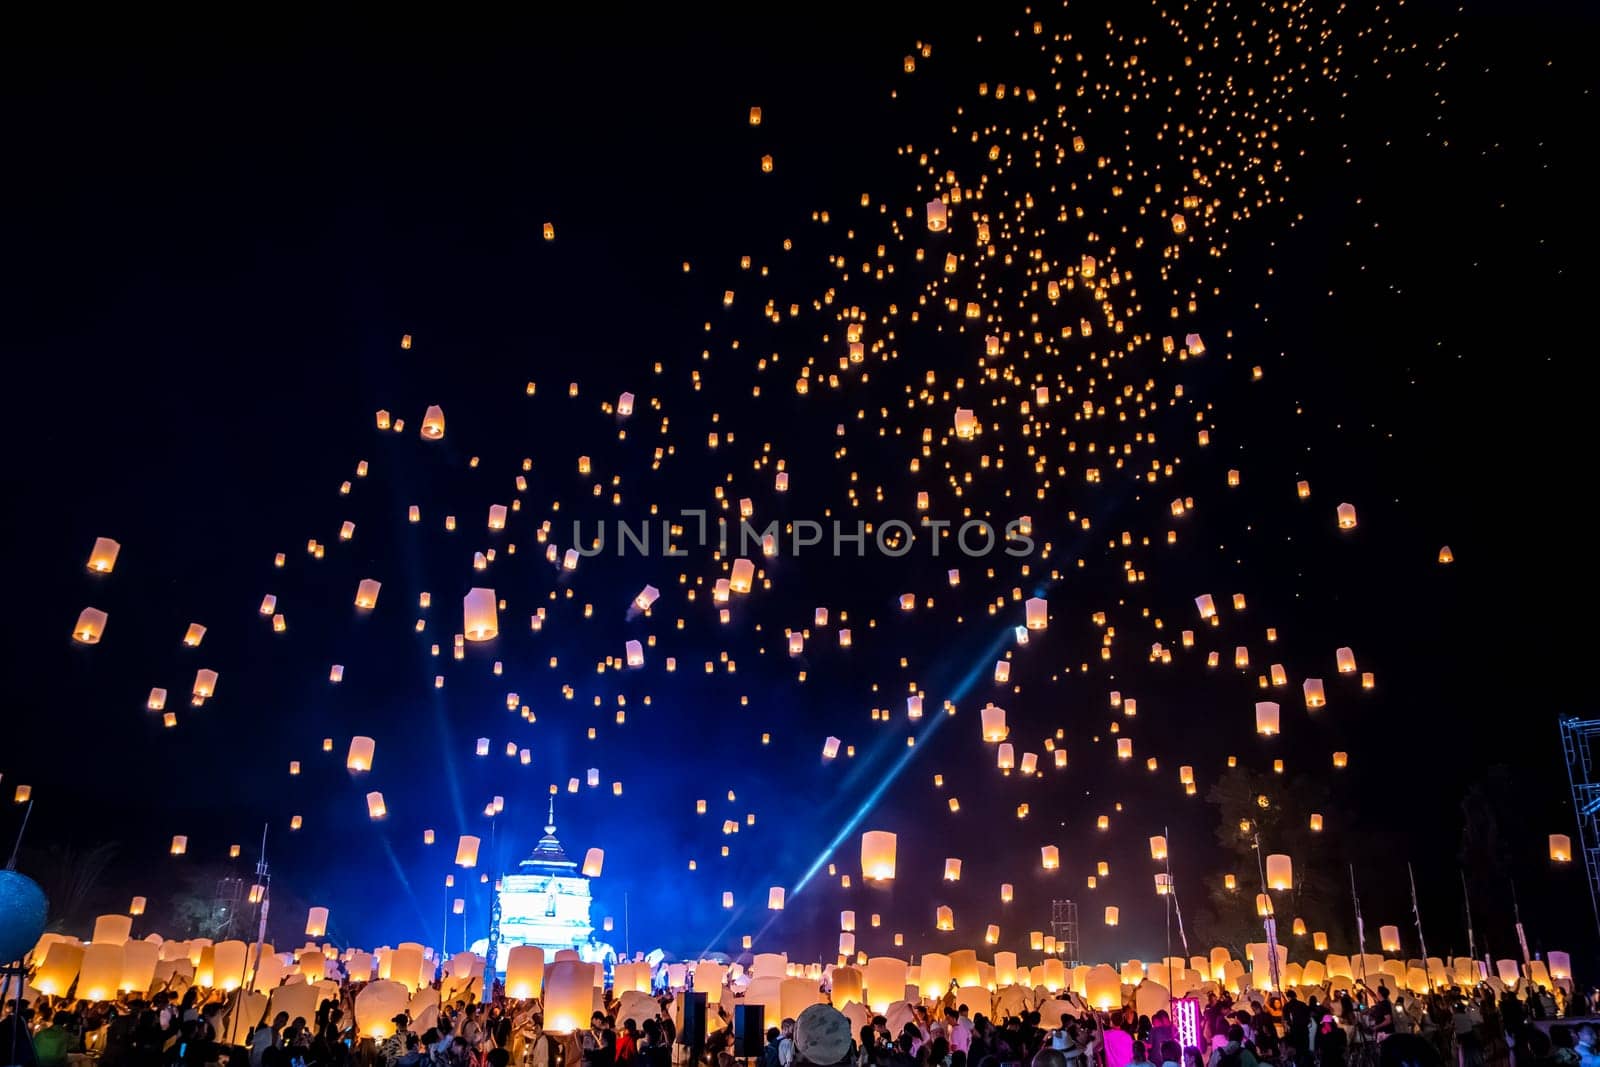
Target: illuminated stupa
[546,903]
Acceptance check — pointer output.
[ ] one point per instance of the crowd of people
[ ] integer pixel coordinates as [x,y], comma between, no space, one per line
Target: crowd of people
[1359,1027]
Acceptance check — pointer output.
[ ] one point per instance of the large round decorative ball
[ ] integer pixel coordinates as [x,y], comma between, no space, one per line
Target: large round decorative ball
[23,909]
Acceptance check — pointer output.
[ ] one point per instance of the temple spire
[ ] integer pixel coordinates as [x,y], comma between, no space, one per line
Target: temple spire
[550,819]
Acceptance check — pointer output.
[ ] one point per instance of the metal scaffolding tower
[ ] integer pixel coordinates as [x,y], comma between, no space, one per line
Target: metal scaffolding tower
[1064,928]
[1577,745]
[227,908]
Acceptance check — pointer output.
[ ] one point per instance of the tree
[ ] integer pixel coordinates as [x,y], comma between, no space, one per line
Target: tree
[1265,808]
[69,876]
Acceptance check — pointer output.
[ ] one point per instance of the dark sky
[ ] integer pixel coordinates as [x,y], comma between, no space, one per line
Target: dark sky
[211,254]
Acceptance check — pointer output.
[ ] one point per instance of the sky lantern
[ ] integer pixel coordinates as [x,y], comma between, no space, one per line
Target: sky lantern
[1560,848]
[966,423]
[359,757]
[1319,941]
[1050,857]
[647,596]
[994,722]
[830,748]
[180,844]
[952,870]
[376,809]
[1006,757]
[1347,516]
[480,615]
[136,907]
[1207,606]
[467,851]
[103,556]
[1263,906]
[1445,555]
[944,918]
[1124,748]
[775,898]
[1038,613]
[194,635]
[1280,871]
[877,855]
[1389,938]
[433,423]
[1316,822]
[90,627]
[1341,760]
[1112,915]
[317,922]
[367,593]
[937,215]
[1345,659]
[1266,718]
[1315,698]
[1158,848]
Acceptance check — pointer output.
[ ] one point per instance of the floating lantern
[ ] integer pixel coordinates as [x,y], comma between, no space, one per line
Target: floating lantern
[467,851]
[1280,871]
[1347,516]
[1389,937]
[90,627]
[1050,857]
[433,423]
[994,723]
[376,809]
[360,755]
[1112,915]
[180,844]
[1038,613]
[944,918]
[1315,698]
[1158,848]
[936,211]
[103,556]
[1266,718]
[877,856]
[775,898]
[480,616]
[317,922]
[593,861]
[952,870]
[1560,848]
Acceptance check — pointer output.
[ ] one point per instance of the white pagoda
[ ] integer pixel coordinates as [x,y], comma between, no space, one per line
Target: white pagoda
[546,903]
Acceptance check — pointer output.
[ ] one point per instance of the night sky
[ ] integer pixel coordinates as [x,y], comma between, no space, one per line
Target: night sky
[212,252]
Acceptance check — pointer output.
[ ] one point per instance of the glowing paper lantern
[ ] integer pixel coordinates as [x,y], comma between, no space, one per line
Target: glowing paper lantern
[1560,848]
[377,1005]
[1266,718]
[524,972]
[1102,987]
[1038,613]
[877,857]
[90,627]
[937,215]
[467,851]
[180,844]
[432,423]
[1347,516]
[360,756]
[480,617]
[1315,698]
[775,898]
[100,971]
[103,556]
[952,870]
[1050,857]
[994,723]
[1111,915]
[317,922]
[367,593]
[944,918]
[376,809]
[56,973]
[136,907]
[593,861]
